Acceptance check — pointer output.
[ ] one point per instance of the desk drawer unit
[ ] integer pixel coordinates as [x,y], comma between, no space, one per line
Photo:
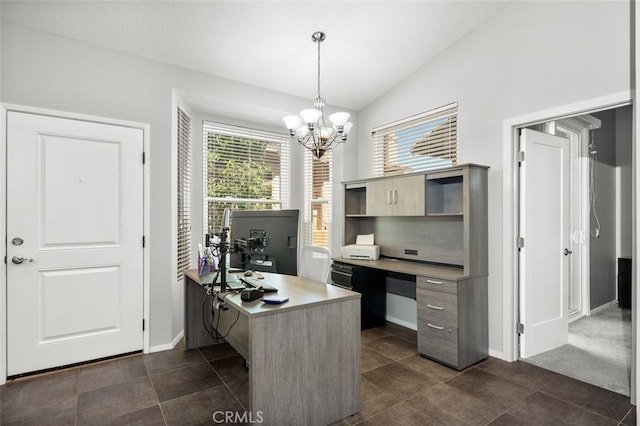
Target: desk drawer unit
[452,320]
[442,343]
[438,308]
[437,284]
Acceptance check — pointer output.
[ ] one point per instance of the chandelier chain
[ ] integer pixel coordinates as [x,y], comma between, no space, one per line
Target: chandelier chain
[319,41]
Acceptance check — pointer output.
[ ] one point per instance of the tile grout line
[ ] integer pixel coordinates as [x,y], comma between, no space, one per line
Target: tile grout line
[164,419]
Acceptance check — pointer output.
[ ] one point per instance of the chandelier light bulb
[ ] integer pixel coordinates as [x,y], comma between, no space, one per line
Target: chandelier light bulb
[311,116]
[310,129]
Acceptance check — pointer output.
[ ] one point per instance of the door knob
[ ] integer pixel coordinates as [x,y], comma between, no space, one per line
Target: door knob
[19,259]
[567,252]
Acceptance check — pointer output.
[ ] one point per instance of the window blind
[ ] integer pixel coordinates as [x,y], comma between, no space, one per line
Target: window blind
[244,169]
[318,196]
[184,193]
[421,142]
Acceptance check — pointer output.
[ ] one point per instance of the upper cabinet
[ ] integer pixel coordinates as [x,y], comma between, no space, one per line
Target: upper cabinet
[396,196]
[437,216]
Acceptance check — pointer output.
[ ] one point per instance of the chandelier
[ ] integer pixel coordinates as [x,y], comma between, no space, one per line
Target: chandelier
[310,128]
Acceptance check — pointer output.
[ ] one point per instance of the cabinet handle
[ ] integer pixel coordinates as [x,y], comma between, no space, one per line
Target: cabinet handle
[440,308]
[389,197]
[434,326]
[395,197]
[435,282]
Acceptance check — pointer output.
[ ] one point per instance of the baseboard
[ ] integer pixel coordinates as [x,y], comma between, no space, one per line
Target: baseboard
[500,355]
[167,346]
[603,307]
[403,323]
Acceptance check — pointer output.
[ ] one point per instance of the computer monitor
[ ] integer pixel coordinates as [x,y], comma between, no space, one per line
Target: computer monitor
[265,240]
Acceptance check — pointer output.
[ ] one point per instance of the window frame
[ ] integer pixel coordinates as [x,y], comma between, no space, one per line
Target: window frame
[434,131]
[311,203]
[241,132]
[184,133]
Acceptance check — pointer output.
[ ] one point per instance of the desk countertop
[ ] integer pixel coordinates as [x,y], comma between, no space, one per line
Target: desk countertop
[408,267]
[303,293]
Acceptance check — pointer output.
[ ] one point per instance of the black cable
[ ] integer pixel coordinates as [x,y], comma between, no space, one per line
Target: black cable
[232,324]
[204,324]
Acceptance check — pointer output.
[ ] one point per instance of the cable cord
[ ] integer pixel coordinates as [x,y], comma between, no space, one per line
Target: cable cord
[212,329]
[223,336]
[593,193]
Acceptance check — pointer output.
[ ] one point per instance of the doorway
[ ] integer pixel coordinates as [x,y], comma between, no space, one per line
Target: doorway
[597,346]
[75,215]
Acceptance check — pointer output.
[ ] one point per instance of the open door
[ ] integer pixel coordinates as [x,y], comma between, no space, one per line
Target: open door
[545,251]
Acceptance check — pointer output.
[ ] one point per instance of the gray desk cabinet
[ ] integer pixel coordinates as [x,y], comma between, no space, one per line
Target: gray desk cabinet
[398,196]
[452,320]
[442,240]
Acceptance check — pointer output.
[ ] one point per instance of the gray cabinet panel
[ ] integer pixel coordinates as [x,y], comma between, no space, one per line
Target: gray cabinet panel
[440,344]
[441,311]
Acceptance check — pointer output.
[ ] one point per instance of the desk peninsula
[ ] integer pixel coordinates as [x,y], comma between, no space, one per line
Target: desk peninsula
[303,355]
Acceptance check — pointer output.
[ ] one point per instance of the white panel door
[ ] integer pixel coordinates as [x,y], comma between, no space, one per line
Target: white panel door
[74,249]
[545,226]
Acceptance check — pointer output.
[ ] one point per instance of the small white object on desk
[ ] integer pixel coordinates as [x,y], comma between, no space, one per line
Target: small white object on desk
[363,249]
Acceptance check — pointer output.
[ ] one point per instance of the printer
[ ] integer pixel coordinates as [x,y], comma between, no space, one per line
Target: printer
[361,251]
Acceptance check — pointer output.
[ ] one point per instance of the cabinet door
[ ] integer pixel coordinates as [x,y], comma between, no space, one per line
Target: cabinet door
[408,195]
[379,197]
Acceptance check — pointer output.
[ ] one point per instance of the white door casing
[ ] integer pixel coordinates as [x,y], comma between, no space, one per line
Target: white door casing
[75,199]
[544,223]
[578,130]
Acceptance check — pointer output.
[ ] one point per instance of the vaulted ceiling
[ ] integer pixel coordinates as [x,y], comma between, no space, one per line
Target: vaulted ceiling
[370,47]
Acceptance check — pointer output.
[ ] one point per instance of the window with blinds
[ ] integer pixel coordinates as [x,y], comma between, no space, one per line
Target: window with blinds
[421,142]
[244,169]
[184,192]
[318,195]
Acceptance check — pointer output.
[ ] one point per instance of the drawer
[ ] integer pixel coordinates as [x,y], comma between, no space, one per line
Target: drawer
[438,343]
[437,307]
[342,278]
[437,284]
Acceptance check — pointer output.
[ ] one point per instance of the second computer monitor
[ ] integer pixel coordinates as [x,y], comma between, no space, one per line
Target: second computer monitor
[265,240]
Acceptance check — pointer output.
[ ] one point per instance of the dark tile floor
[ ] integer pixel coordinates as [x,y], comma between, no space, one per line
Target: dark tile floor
[398,388]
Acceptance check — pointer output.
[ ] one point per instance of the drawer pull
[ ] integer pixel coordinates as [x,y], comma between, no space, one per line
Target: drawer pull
[440,308]
[435,282]
[434,326]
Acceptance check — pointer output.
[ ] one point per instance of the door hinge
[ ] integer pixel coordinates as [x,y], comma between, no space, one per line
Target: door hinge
[521,156]
[144,157]
[142,324]
[520,242]
[520,328]
[144,241]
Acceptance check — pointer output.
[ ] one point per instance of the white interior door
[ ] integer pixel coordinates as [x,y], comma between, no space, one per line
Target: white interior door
[544,222]
[74,249]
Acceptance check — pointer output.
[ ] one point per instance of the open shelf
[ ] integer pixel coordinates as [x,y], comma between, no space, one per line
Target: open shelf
[355,200]
[445,195]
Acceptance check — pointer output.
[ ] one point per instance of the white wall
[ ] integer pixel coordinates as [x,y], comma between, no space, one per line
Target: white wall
[531,56]
[47,71]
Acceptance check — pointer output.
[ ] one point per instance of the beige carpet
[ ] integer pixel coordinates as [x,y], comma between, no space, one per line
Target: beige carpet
[598,352]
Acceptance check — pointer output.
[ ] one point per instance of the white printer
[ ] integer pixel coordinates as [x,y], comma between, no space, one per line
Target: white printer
[363,249]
